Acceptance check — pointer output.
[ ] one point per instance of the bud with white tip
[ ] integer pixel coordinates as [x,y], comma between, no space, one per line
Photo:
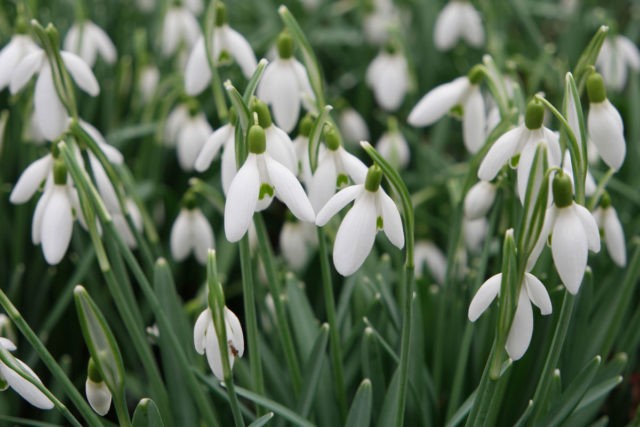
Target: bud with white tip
[97,392]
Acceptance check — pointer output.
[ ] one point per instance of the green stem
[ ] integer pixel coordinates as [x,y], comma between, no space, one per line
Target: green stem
[216,83]
[405,344]
[120,404]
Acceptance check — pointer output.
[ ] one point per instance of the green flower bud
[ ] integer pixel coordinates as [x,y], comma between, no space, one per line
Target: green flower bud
[59,172]
[374,178]
[534,115]
[221,14]
[595,88]
[285,45]
[93,373]
[304,129]
[331,138]
[562,190]
[257,140]
[476,74]
[261,109]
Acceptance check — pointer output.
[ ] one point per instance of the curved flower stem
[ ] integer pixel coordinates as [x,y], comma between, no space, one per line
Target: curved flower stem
[216,83]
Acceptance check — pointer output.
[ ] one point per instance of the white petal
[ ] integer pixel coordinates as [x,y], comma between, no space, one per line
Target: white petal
[105,187]
[394,148]
[10,57]
[170,32]
[181,236]
[213,352]
[521,328]
[484,297]
[590,227]
[323,182]
[614,237]
[99,396]
[472,30]
[353,166]
[202,236]
[391,221]
[474,231]
[241,200]
[81,73]
[437,102]
[241,51]
[234,331]
[500,152]
[569,249]
[524,171]
[353,126]
[197,74]
[212,146]
[607,133]
[38,214]
[479,200]
[57,225]
[388,78]
[337,202]
[537,293]
[356,235]
[280,147]
[283,94]
[289,190]
[448,27]
[49,111]
[191,139]
[103,44]
[30,180]
[24,388]
[293,246]
[549,221]
[304,86]
[229,169]
[199,330]
[629,51]
[26,68]
[429,254]
[473,121]
[7,344]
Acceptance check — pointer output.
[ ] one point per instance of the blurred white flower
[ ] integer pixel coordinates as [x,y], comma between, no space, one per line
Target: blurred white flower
[301,148]
[458,20]
[18,47]
[148,82]
[87,40]
[426,254]
[617,55]
[224,137]
[607,219]
[474,232]
[191,232]
[352,126]
[206,341]
[479,200]
[178,27]
[298,240]
[122,226]
[394,148]
[195,6]
[372,210]
[146,6]
[380,19]
[188,133]
[388,77]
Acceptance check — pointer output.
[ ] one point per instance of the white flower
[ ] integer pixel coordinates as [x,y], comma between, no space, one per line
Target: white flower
[20,385]
[532,291]
[206,340]
[440,100]
[20,46]
[474,232]
[279,145]
[146,6]
[388,76]
[191,138]
[50,113]
[226,43]
[297,242]
[285,85]
[574,232]
[458,20]
[352,126]
[605,124]
[174,123]
[372,210]
[195,6]
[590,185]
[98,395]
[122,226]
[301,148]
[258,180]
[32,131]
[379,21]
[148,82]
[617,55]
[87,40]
[191,232]
[179,27]
[224,137]
[394,148]
[428,254]
[607,219]
[479,200]
[334,170]
[30,180]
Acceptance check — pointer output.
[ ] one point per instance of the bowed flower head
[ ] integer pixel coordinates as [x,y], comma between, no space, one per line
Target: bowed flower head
[458,20]
[191,233]
[87,40]
[223,137]
[463,91]
[608,221]
[256,183]
[605,124]
[617,55]
[388,76]
[479,200]
[285,85]
[394,147]
[179,27]
[20,46]
[206,340]
[372,210]
[97,392]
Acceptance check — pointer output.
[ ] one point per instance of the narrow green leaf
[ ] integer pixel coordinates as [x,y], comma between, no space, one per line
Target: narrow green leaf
[243,111]
[589,56]
[304,323]
[462,411]
[313,369]
[253,82]
[314,135]
[147,414]
[508,299]
[262,420]
[360,412]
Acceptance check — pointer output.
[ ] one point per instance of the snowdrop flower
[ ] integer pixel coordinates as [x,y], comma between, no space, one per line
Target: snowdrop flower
[298,240]
[97,392]
[11,378]
[148,82]
[225,137]
[474,231]
[352,126]
[227,43]
[18,47]
[122,226]
[607,219]
[50,113]
[178,27]
[195,6]
[191,232]
[256,183]
[372,210]
[463,91]
[605,124]
[458,20]
[617,55]
[479,200]
[189,131]
[574,232]
[279,145]
[285,85]
[31,178]
[381,17]
[590,185]
[32,132]
[393,147]
[146,6]
[87,40]
[175,121]
[388,76]
[532,291]
[206,340]
[523,140]
[335,168]
[427,254]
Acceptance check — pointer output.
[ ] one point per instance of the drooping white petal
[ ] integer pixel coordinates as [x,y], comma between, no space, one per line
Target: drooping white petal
[242,199]
[240,49]
[282,93]
[438,101]
[199,330]
[294,248]
[191,139]
[212,146]
[337,202]
[10,56]
[103,44]
[394,148]
[175,121]
[590,227]
[197,74]
[289,190]
[500,152]
[484,297]
[356,235]
[38,214]
[569,249]
[201,235]
[353,126]
[537,293]
[479,200]
[24,388]
[49,111]
[521,328]
[473,120]
[474,232]
[30,180]
[26,68]
[607,133]
[547,226]
[388,77]
[170,32]
[57,225]
[629,51]
[280,147]
[448,27]
[81,73]
[181,236]
[212,350]
[234,331]
[98,395]
[471,28]
[614,236]
[323,181]
[307,95]
[353,166]
[229,169]
[391,221]
[427,253]
[6,343]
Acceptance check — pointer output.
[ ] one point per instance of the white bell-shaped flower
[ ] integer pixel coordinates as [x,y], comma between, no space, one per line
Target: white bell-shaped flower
[479,200]
[394,147]
[532,291]
[464,92]
[31,179]
[427,254]
[388,77]
[223,137]
[195,6]
[372,210]
[352,126]
[50,113]
[87,40]
[174,123]
[206,340]
[148,82]
[608,221]
[227,44]
[336,168]
[97,392]
[191,232]
[18,383]
[574,232]
[474,232]
[617,56]
[285,85]
[279,144]
[192,137]
[259,179]
[179,27]
[605,124]
[377,23]
[458,20]
[297,240]
[18,47]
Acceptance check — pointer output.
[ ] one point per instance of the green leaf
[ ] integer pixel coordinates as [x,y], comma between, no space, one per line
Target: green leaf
[360,412]
[508,300]
[147,414]
[589,56]
[463,410]
[304,323]
[313,369]
[262,420]
[314,135]
[253,82]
